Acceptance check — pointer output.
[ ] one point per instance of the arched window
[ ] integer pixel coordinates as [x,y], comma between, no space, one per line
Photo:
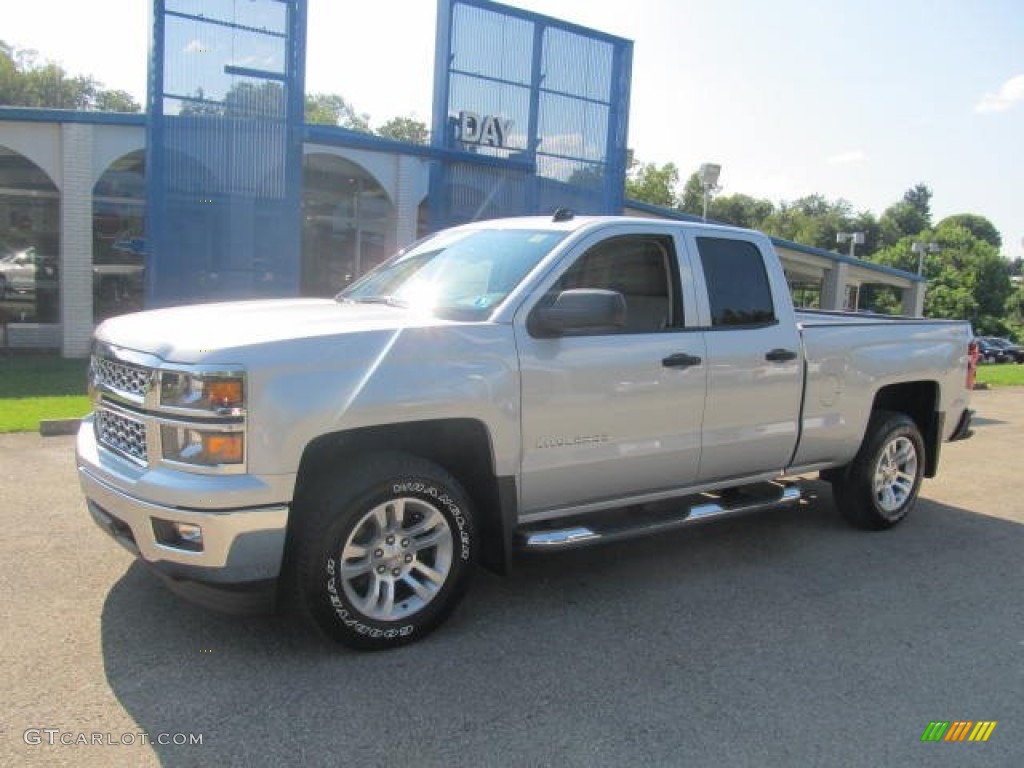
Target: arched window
[118,247]
[29,245]
[348,223]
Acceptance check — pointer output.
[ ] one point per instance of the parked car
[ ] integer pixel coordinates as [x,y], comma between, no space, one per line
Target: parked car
[989,352]
[1011,352]
[23,272]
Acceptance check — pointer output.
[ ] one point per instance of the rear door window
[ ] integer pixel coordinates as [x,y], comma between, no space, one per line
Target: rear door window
[738,288]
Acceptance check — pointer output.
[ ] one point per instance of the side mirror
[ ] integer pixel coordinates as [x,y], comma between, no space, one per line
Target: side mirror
[577,311]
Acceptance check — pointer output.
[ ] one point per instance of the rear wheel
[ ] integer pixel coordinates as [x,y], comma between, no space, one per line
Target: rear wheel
[383,551]
[880,486]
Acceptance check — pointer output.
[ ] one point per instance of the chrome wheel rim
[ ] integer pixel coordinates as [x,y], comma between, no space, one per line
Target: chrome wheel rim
[397,559]
[895,475]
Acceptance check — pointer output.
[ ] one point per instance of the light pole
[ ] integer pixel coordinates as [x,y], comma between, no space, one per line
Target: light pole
[854,239]
[921,249]
[709,181]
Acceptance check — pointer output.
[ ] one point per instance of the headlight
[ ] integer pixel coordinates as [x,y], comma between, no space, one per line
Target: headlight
[203,447]
[205,392]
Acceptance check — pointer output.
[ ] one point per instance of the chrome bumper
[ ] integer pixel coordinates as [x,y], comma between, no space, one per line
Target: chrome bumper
[240,544]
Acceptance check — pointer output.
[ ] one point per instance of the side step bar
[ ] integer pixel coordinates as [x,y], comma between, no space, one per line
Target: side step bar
[643,520]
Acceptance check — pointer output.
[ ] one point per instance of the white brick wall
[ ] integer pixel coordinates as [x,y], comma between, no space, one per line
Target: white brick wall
[407,200]
[76,239]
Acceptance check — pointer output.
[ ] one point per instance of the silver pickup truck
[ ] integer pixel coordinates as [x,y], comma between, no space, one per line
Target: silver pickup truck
[522,384]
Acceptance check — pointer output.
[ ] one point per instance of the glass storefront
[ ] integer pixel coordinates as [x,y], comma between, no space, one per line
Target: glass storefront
[118,247]
[29,245]
[348,223]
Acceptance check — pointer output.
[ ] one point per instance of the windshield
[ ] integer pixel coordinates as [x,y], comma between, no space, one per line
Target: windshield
[460,275]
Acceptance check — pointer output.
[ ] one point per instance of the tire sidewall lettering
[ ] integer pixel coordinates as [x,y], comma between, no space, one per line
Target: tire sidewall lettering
[417,487]
[353,622]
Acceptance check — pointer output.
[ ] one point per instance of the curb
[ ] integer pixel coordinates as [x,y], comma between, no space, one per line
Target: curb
[56,427]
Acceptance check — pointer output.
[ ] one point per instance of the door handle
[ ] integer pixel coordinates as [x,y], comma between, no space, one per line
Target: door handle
[780,356]
[680,360]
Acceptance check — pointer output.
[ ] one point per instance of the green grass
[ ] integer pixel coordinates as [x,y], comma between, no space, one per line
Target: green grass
[1001,374]
[36,387]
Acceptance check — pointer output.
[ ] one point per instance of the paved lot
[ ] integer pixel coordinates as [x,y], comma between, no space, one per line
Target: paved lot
[786,639]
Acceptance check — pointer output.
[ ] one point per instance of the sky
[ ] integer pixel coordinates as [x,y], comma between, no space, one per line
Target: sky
[852,99]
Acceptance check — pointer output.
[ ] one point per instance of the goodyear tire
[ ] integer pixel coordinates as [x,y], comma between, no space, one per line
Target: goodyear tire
[879,487]
[383,551]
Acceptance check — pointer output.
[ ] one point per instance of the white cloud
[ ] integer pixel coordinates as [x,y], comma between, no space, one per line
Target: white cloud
[194,46]
[1009,94]
[852,157]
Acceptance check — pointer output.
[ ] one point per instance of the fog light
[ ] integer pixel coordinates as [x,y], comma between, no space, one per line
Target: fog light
[171,533]
[189,532]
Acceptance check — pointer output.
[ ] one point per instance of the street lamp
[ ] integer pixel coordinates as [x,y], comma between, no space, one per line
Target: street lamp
[854,239]
[709,181]
[921,249]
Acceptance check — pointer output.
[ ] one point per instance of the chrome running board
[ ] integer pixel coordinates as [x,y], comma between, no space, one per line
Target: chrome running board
[632,522]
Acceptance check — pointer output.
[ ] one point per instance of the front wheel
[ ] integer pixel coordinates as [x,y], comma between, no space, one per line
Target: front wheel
[383,551]
[880,486]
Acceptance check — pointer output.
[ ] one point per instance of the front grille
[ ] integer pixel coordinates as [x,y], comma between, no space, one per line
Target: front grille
[121,433]
[121,377]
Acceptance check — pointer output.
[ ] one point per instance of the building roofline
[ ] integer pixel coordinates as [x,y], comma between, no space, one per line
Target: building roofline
[38,115]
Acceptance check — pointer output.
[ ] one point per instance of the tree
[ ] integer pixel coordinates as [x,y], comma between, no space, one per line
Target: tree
[654,184]
[814,220]
[967,279]
[407,129]
[332,109]
[692,199]
[919,198]
[24,82]
[1014,312]
[979,226]
[116,101]
[740,211]
[909,217]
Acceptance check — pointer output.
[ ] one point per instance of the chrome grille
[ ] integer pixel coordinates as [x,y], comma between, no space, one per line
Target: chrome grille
[121,377]
[121,433]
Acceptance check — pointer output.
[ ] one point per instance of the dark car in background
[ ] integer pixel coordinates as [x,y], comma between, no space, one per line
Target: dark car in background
[1009,352]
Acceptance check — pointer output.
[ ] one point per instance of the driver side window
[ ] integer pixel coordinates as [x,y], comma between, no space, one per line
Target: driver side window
[640,267]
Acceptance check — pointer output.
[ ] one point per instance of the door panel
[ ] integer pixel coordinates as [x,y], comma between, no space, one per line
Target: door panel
[755,374]
[603,417]
[613,414]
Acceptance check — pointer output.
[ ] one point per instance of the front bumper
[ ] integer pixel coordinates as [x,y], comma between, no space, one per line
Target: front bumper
[241,544]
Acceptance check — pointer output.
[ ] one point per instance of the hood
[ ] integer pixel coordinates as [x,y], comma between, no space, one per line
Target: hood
[199,332]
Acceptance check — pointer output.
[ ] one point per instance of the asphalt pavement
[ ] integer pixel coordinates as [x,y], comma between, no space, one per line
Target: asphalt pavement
[780,639]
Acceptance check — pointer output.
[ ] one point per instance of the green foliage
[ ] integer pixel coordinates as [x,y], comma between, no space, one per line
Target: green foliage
[815,220]
[692,199]
[25,82]
[653,184]
[979,226]
[740,211]
[1013,312]
[407,129]
[967,279]
[907,218]
[332,109]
